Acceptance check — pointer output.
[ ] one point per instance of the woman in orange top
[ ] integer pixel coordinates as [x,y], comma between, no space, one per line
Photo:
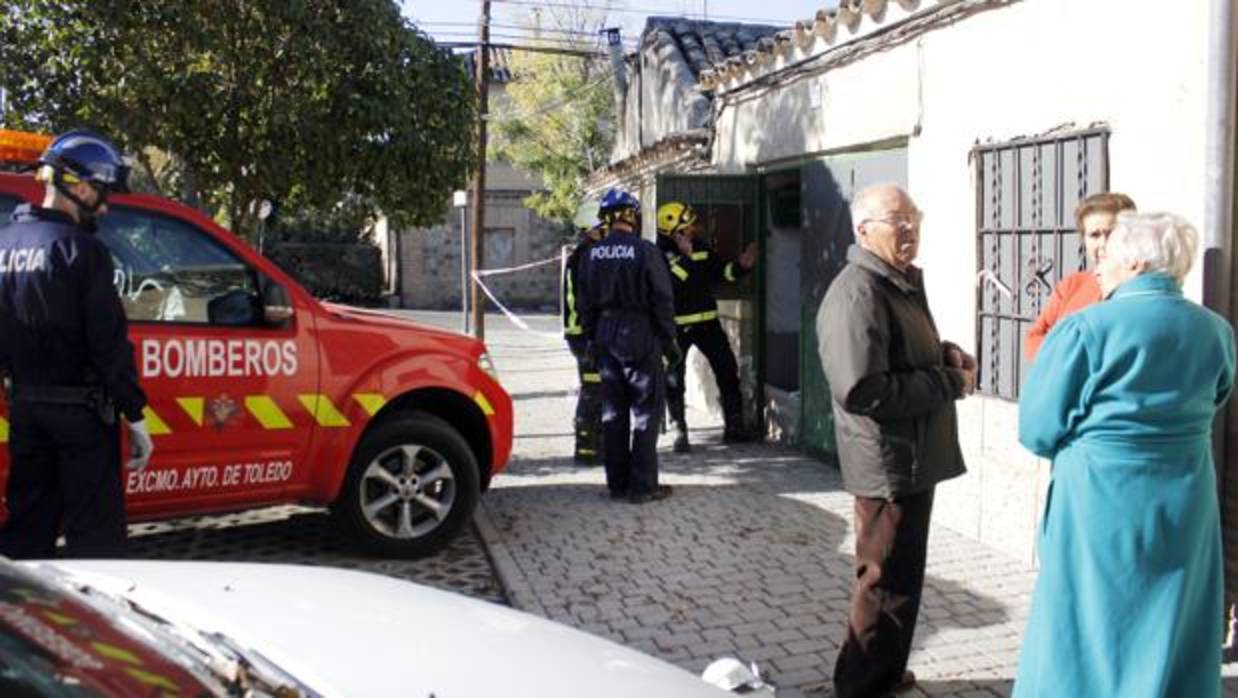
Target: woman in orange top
[1094,219]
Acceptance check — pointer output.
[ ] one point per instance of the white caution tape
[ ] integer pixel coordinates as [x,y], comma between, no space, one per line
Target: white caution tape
[522,267]
[516,319]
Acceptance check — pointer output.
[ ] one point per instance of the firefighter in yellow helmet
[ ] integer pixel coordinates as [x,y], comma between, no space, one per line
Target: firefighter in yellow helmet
[695,268]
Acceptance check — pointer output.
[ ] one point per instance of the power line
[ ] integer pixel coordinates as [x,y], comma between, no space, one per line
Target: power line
[560,101]
[575,40]
[542,42]
[528,42]
[533,31]
[639,11]
[531,49]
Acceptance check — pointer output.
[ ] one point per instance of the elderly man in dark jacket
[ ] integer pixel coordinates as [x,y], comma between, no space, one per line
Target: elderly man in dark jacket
[893,383]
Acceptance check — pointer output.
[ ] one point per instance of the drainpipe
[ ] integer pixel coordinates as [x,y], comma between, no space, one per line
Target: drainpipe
[1219,163]
[1218,233]
[619,71]
[614,42]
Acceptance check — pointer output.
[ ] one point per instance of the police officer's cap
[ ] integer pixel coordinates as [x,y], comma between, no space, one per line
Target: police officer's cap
[90,158]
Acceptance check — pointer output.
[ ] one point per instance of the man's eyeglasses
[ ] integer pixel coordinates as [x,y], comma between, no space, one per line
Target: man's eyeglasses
[899,220]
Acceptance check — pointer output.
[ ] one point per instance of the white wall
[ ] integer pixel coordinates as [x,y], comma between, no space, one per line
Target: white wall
[1137,65]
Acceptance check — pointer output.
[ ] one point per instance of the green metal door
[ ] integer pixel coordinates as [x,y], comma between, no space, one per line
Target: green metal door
[727,208]
[828,186]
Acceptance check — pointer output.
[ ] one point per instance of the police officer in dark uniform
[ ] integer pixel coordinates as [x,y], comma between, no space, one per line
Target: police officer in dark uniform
[695,268]
[69,366]
[588,422]
[626,312]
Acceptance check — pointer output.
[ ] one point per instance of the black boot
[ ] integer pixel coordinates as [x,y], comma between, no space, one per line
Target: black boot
[735,431]
[680,424]
[587,441]
[681,444]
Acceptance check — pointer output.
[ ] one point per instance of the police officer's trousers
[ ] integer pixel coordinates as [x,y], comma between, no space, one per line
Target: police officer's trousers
[712,341]
[64,474]
[633,398]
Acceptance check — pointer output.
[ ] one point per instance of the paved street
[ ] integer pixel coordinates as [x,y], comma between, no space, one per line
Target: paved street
[299,535]
[750,557]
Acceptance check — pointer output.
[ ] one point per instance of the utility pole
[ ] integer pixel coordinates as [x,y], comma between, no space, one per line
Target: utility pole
[479,179]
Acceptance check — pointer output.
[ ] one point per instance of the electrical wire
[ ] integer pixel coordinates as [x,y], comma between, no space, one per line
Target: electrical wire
[533,49]
[541,41]
[562,35]
[561,101]
[573,40]
[531,30]
[640,11]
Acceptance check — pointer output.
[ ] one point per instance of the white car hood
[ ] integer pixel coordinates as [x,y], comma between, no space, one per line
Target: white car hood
[346,633]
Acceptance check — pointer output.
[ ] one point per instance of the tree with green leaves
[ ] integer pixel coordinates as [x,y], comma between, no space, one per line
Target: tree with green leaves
[559,119]
[312,104]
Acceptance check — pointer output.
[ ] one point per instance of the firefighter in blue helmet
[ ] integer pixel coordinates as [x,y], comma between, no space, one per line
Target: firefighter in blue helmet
[627,317]
[67,360]
[588,422]
[695,268]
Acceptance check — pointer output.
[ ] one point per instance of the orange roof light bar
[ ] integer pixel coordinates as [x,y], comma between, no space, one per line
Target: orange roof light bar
[22,147]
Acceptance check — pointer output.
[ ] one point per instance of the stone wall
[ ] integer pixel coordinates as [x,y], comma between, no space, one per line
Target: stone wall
[430,258]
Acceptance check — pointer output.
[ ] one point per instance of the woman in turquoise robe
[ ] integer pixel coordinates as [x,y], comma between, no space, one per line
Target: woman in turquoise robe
[1122,398]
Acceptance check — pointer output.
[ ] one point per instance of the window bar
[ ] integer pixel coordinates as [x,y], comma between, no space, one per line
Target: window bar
[995,268]
[1081,180]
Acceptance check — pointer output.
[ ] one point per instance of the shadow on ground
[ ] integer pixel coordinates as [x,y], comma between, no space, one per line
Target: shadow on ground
[766,467]
[753,560]
[304,536]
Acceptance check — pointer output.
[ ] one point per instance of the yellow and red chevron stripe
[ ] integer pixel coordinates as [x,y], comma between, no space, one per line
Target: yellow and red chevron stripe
[164,418]
[264,410]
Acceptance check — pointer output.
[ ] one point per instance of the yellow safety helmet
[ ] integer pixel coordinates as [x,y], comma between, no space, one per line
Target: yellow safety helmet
[675,217]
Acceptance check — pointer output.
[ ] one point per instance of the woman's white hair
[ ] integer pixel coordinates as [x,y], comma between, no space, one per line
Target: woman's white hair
[1165,242]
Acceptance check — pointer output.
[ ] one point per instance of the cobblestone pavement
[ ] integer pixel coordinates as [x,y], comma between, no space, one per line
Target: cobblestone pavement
[751,556]
[300,535]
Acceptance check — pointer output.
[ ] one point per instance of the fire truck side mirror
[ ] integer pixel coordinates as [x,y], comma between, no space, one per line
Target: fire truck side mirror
[276,305]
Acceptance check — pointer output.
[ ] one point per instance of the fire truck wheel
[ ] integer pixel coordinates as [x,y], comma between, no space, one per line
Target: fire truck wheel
[411,487]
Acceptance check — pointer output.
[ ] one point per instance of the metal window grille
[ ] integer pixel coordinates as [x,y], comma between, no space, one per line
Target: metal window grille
[1026,241]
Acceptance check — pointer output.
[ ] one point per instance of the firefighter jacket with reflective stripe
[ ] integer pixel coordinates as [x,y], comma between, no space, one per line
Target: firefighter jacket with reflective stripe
[693,278]
[626,307]
[61,320]
[572,328]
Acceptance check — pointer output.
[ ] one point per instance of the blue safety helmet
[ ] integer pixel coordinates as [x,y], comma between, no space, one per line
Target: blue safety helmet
[619,205]
[82,156]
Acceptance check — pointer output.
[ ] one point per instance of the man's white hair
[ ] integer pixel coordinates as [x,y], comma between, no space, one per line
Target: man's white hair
[1165,242]
[863,205]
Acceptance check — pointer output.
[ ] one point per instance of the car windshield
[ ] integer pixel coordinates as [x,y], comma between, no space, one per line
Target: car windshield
[60,637]
[53,644]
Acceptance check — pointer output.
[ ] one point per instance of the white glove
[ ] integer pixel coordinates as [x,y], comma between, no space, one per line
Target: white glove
[140,445]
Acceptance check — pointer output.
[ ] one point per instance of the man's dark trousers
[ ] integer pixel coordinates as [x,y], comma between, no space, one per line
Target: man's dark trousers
[633,397]
[711,340]
[891,546]
[64,465]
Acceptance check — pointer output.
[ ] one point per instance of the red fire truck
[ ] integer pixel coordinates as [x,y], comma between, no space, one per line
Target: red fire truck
[260,394]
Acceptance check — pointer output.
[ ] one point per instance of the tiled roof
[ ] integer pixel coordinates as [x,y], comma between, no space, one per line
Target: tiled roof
[702,45]
[830,26]
[662,98]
